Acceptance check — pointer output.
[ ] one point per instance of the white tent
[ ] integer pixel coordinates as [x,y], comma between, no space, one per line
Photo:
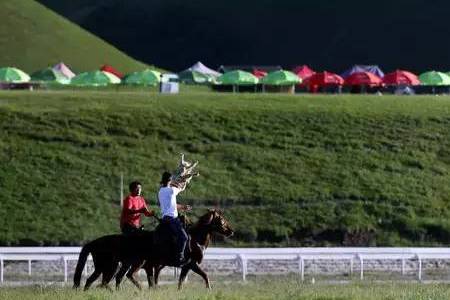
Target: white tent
[201,68]
[61,67]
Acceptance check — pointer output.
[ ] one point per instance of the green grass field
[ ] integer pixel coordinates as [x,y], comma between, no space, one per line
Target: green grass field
[273,288]
[33,37]
[287,170]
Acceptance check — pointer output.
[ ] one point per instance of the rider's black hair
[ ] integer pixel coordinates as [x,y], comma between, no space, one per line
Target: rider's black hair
[165,178]
[133,185]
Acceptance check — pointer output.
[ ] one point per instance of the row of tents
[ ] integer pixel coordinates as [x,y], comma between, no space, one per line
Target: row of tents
[359,75]
[62,74]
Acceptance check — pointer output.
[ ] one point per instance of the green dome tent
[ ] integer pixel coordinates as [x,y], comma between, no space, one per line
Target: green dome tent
[195,77]
[237,77]
[13,75]
[50,75]
[280,78]
[144,78]
[95,78]
[434,78]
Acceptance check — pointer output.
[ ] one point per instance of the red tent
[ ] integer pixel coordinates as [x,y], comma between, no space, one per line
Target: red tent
[324,79]
[110,69]
[363,78]
[400,77]
[303,71]
[259,73]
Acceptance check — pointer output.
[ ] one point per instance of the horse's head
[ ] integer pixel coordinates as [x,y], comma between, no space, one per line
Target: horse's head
[217,222]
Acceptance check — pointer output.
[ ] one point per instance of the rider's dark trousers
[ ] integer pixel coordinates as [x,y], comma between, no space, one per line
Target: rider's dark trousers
[177,228]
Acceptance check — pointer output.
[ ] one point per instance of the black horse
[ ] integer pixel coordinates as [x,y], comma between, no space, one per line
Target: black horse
[151,250]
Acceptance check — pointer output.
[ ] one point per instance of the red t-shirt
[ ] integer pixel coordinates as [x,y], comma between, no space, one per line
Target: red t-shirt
[132,203]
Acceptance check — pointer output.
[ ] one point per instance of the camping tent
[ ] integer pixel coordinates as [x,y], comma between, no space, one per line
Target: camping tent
[50,75]
[65,70]
[324,79]
[363,68]
[280,78]
[112,70]
[401,77]
[303,71]
[13,75]
[201,68]
[95,78]
[259,73]
[195,77]
[145,78]
[363,79]
[434,78]
[237,77]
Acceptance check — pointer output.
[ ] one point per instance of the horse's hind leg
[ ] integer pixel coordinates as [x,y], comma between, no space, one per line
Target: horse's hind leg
[130,275]
[183,274]
[91,279]
[150,275]
[157,272]
[196,268]
[120,274]
[108,275]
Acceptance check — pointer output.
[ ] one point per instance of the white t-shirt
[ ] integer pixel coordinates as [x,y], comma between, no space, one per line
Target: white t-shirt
[168,201]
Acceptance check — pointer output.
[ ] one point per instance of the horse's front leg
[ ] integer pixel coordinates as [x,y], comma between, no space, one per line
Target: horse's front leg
[196,268]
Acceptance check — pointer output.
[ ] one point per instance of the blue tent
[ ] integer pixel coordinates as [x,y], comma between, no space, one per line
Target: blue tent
[363,68]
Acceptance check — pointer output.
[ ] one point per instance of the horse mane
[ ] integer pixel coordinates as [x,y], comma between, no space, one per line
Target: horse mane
[202,221]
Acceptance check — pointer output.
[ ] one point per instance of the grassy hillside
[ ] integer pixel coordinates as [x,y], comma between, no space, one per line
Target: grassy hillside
[33,37]
[287,170]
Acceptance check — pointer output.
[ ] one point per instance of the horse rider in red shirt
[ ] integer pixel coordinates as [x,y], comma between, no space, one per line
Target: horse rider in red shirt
[133,206]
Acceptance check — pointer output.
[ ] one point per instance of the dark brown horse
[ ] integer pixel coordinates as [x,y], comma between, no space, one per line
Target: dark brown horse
[199,233]
[149,250]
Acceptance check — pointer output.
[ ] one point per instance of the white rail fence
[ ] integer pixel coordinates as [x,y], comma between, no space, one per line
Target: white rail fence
[242,256]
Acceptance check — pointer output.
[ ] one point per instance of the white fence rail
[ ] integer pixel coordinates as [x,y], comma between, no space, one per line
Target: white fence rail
[244,255]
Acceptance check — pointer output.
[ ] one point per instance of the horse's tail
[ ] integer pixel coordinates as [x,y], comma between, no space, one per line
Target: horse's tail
[80,265]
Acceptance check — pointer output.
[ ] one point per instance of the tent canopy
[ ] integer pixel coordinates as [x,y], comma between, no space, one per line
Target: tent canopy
[95,78]
[238,77]
[112,70]
[324,79]
[280,78]
[259,73]
[434,78]
[13,75]
[50,75]
[65,70]
[303,71]
[363,68]
[201,68]
[363,78]
[401,77]
[145,78]
[195,77]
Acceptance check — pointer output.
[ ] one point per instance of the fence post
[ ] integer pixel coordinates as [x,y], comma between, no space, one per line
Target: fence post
[1,270]
[29,267]
[243,262]
[419,275]
[351,266]
[300,266]
[302,272]
[403,266]
[361,266]
[65,268]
